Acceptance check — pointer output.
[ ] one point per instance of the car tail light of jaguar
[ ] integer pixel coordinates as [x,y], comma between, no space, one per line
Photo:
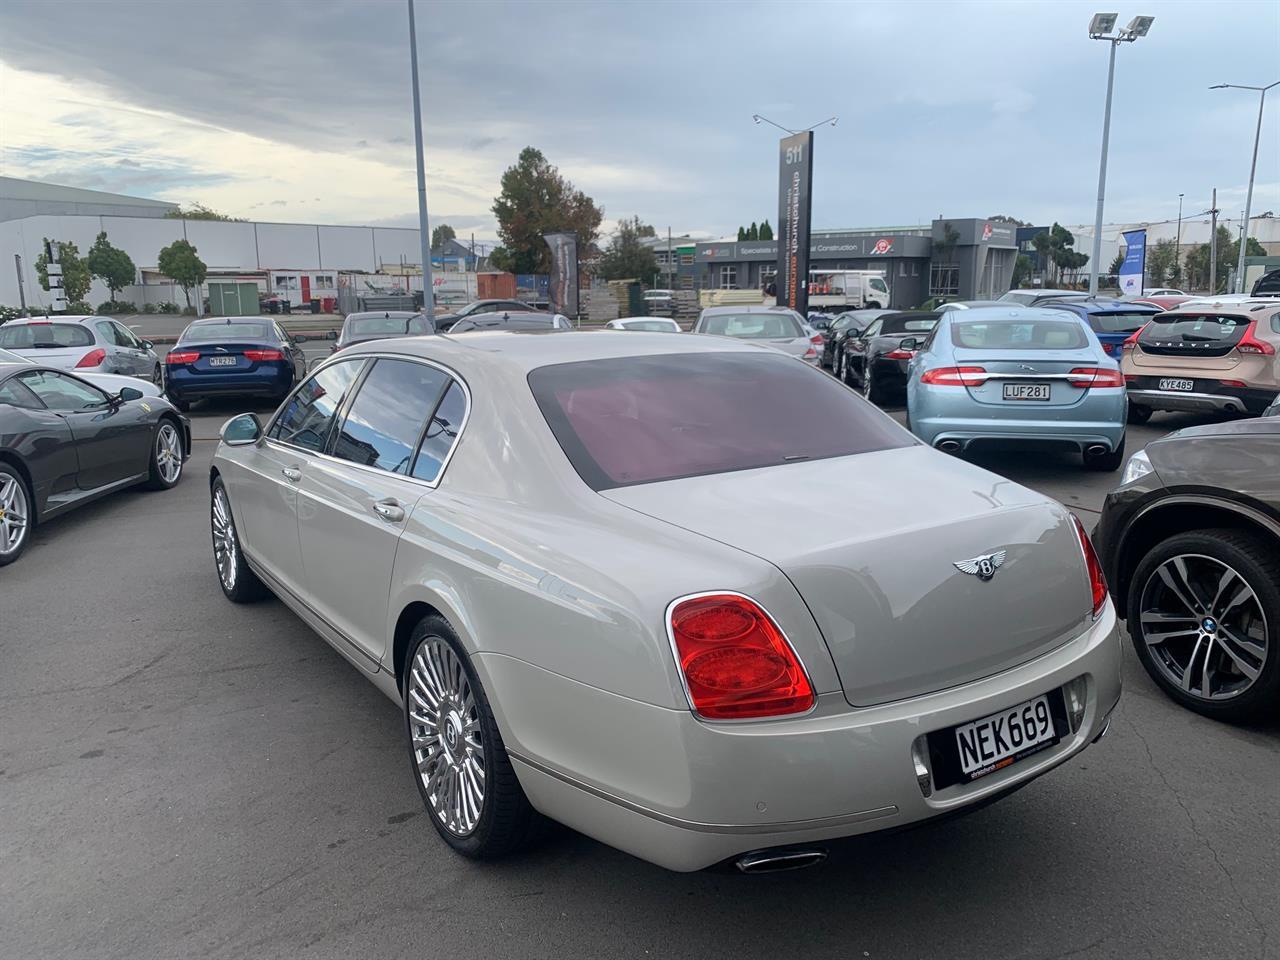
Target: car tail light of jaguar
[92,359]
[1097,582]
[178,357]
[736,662]
[263,355]
[1095,377]
[955,376]
[1251,344]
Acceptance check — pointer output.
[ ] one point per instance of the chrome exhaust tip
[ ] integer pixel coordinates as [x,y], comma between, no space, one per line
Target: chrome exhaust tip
[1096,450]
[949,446]
[776,861]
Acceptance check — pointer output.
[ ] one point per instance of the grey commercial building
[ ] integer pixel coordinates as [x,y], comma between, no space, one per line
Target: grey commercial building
[31,198]
[966,259]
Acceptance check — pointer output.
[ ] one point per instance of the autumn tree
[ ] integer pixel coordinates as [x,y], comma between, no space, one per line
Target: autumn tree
[535,200]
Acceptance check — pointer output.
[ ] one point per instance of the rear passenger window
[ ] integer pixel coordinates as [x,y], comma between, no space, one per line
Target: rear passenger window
[307,417]
[386,417]
[442,431]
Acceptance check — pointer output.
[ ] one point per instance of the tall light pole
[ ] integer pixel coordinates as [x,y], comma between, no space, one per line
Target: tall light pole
[1253,168]
[1177,244]
[1100,28]
[424,237]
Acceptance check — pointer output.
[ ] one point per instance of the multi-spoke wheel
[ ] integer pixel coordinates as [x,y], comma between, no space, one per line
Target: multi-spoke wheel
[15,514]
[1204,609]
[238,581]
[166,457]
[459,761]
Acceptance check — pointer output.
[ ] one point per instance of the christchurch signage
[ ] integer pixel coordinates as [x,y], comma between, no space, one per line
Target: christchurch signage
[795,174]
[1135,263]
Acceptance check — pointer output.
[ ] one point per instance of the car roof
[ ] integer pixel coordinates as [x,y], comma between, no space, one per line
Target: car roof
[1243,307]
[1039,292]
[1009,311]
[55,318]
[746,308]
[386,314]
[209,321]
[1104,306]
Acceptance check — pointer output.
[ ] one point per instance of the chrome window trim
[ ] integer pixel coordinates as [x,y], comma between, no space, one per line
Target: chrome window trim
[684,681]
[344,406]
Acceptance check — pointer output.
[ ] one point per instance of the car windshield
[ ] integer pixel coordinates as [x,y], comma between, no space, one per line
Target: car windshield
[636,420]
[908,324]
[219,332]
[1018,334]
[752,326]
[1119,321]
[387,325]
[655,326]
[44,336]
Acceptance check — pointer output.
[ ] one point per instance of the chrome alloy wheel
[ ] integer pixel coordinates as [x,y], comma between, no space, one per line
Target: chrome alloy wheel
[225,549]
[13,514]
[444,724]
[168,453]
[1204,627]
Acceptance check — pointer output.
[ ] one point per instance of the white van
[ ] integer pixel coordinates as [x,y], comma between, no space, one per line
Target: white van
[847,290]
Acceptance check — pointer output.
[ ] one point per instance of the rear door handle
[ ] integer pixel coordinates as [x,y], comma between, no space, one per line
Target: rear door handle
[291,473]
[389,510]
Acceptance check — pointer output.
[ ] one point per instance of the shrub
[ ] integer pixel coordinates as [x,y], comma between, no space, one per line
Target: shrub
[167,306]
[188,311]
[126,306]
[148,308]
[11,313]
[81,307]
[104,308]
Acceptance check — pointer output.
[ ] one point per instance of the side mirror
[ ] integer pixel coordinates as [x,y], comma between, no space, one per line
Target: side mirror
[242,430]
[147,344]
[298,338]
[128,393]
[909,343]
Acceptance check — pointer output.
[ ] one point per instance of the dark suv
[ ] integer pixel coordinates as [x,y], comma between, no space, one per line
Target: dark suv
[1191,546]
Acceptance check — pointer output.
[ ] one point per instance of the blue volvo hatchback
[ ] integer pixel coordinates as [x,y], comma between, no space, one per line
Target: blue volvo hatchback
[1114,321]
[1022,376]
[233,357]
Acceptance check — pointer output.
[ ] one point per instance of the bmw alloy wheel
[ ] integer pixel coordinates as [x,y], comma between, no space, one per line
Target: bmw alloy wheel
[168,453]
[224,539]
[1204,627]
[444,724]
[14,515]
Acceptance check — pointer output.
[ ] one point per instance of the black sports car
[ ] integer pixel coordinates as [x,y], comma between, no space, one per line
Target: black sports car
[843,326]
[1190,543]
[876,359]
[64,442]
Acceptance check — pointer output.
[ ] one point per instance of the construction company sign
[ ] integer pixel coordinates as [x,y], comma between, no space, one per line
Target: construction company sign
[795,199]
[882,246]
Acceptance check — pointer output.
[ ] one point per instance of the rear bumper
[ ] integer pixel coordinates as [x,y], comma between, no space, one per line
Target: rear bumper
[1208,398]
[1079,434]
[686,794]
[187,386]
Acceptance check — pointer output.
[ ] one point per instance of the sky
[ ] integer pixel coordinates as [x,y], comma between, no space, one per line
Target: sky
[301,111]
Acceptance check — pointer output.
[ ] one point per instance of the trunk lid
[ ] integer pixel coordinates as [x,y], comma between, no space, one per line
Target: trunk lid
[65,358]
[1021,369]
[1193,343]
[879,576]
[214,359]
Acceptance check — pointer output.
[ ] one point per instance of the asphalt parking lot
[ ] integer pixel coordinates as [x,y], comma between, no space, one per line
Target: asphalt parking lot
[182,777]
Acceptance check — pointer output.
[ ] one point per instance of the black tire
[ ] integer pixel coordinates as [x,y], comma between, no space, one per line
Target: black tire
[239,583]
[1255,561]
[18,497]
[1139,414]
[163,471]
[507,821]
[872,306]
[182,406]
[1107,462]
[871,389]
[157,377]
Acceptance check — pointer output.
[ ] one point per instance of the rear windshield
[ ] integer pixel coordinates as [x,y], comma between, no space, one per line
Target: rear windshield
[1118,322]
[1181,334]
[653,326]
[384,326]
[644,419]
[1026,299]
[908,324]
[44,336]
[752,326]
[220,332]
[1018,334]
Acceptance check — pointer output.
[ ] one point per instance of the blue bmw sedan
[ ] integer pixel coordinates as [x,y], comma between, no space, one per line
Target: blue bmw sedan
[232,357]
[1022,376]
[1114,321]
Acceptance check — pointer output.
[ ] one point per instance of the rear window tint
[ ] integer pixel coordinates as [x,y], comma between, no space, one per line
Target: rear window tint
[752,326]
[384,326]
[908,324]
[37,336]
[225,332]
[1119,322]
[1193,331]
[637,420]
[1019,335]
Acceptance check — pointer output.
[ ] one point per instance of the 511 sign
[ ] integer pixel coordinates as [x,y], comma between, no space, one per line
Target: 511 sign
[795,173]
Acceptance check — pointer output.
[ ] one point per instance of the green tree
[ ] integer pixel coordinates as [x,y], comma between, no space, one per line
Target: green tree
[1005,218]
[441,234]
[198,211]
[766,231]
[111,265]
[1197,261]
[626,258]
[75,272]
[645,229]
[753,232]
[1160,262]
[947,245]
[1116,264]
[179,262]
[535,199]
[742,234]
[1022,268]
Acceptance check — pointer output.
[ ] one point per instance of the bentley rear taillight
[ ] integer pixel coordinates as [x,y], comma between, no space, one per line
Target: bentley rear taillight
[1097,581]
[736,662]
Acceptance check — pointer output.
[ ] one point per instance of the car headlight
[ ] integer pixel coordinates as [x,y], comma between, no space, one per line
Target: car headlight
[1139,466]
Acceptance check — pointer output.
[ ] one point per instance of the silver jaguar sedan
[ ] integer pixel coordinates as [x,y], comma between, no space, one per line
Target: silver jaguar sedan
[575,561]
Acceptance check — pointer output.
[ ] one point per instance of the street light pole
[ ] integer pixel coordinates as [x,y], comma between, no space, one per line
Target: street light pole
[424,237]
[1253,168]
[1177,244]
[1099,29]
